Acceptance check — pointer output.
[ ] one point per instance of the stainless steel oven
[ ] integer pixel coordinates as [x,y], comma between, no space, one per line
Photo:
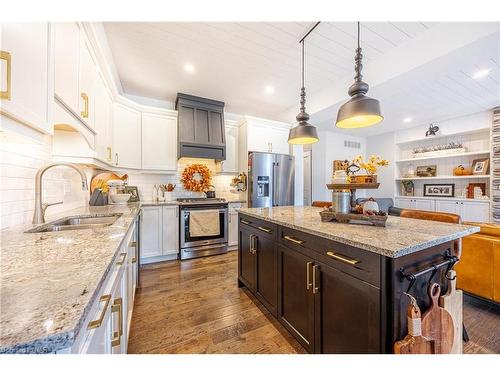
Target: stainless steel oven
[192,247]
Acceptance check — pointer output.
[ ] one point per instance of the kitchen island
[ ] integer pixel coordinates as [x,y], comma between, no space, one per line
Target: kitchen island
[338,288]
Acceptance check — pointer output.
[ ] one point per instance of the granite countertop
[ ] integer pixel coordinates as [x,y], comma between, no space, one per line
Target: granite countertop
[49,281]
[401,236]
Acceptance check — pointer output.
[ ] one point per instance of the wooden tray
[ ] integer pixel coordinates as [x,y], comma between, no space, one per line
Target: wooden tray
[347,186]
[329,215]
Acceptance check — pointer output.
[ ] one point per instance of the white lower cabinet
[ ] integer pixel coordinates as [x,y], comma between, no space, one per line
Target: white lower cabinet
[232,241]
[106,330]
[159,232]
[468,210]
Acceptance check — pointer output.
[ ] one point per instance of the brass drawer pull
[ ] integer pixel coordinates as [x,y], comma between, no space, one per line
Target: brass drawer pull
[133,244]
[97,323]
[315,288]
[117,307]
[122,261]
[264,229]
[294,240]
[4,55]
[308,275]
[350,261]
[245,222]
[85,112]
[134,260]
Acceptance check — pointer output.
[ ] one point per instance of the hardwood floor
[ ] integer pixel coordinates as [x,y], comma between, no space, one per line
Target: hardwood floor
[195,306]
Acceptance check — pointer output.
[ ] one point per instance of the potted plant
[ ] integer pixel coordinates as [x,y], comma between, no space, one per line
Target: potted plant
[370,166]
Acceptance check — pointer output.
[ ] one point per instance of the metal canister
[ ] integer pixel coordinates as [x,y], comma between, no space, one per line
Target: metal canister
[341,201]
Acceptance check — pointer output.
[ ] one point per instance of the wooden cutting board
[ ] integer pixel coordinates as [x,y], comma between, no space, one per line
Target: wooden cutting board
[437,323]
[414,342]
[452,302]
[105,177]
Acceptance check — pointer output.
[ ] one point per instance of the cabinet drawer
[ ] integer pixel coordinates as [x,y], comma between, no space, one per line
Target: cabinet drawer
[263,228]
[359,263]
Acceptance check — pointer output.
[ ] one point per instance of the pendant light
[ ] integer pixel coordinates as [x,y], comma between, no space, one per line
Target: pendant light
[304,133]
[360,111]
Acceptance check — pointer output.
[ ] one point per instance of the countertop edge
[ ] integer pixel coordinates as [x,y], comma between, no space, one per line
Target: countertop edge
[376,250]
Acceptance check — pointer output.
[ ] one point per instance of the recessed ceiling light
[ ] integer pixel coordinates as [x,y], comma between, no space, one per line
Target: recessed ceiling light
[407,119]
[481,73]
[269,90]
[189,68]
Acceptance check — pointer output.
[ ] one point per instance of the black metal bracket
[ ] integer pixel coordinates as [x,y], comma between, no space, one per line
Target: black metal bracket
[449,261]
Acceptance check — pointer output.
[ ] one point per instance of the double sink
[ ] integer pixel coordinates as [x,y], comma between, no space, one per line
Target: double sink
[76,222]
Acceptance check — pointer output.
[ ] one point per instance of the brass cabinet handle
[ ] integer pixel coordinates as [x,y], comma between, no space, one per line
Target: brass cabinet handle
[4,55]
[117,307]
[264,229]
[97,323]
[122,261]
[251,243]
[315,288]
[109,153]
[85,112]
[308,275]
[245,222]
[294,240]
[134,260]
[253,249]
[342,258]
[133,244]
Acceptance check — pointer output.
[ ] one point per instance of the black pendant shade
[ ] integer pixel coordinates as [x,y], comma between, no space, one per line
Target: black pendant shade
[304,133]
[360,111]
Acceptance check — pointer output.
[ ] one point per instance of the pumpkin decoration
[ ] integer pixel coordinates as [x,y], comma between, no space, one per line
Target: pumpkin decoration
[462,171]
[196,177]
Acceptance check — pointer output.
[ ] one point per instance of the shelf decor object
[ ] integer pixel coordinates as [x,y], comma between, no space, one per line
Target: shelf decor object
[480,166]
[352,187]
[439,190]
[427,171]
[370,166]
[376,220]
[304,133]
[360,111]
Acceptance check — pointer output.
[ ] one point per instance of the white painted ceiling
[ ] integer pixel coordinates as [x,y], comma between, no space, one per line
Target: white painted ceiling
[234,62]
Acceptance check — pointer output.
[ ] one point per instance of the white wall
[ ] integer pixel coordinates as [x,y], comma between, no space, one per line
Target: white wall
[329,148]
[383,146]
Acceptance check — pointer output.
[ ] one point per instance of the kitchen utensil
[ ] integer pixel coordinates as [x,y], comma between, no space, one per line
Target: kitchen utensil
[98,198]
[414,342]
[105,177]
[341,201]
[452,302]
[437,323]
[210,193]
[171,187]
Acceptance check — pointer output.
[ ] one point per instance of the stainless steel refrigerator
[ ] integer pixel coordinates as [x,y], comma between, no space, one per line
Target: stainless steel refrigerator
[271,180]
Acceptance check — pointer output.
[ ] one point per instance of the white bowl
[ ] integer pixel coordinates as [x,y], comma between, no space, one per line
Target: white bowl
[120,198]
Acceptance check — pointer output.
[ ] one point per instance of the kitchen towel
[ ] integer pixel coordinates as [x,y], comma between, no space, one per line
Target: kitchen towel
[204,223]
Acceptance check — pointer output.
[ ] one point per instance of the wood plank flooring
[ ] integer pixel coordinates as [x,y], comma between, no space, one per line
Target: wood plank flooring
[195,306]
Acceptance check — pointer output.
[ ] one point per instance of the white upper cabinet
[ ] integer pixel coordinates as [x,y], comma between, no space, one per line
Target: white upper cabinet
[103,118]
[159,142]
[267,136]
[126,137]
[230,165]
[86,79]
[66,64]
[279,141]
[26,74]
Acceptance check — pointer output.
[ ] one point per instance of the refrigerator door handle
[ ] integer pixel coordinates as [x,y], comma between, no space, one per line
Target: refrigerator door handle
[276,195]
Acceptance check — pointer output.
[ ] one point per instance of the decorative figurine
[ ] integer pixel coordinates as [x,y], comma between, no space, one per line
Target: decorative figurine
[433,129]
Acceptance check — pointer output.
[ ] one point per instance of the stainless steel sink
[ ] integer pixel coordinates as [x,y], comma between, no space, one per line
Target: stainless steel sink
[76,222]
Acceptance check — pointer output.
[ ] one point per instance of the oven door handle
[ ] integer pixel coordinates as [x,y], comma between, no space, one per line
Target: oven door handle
[224,211]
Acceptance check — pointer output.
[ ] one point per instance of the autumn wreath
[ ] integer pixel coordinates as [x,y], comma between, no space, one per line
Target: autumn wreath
[196,177]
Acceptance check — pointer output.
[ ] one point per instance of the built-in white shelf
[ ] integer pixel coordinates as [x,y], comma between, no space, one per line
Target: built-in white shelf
[442,198]
[471,153]
[439,136]
[444,177]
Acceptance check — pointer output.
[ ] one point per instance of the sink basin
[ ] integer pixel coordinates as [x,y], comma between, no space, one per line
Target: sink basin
[76,222]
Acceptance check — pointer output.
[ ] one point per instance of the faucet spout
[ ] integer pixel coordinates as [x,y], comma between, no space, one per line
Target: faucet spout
[39,212]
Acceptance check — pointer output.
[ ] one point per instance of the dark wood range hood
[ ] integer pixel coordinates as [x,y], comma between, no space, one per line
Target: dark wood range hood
[200,127]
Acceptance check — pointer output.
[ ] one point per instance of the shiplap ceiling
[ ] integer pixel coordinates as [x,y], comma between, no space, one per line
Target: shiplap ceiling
[234,62]
[441,89]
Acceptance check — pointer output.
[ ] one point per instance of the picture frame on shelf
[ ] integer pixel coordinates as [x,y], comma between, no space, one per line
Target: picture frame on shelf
[134,193]
[480,166]
[427,171]
[439,190]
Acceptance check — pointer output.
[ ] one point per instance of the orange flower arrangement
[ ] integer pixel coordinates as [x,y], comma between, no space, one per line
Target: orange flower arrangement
[190,182]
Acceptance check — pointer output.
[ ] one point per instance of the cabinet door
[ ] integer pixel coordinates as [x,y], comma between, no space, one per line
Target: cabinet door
[233,229]
[475,211]
[119,315]
[230,165]
[404,203]
[347,313]
[424,204]
[159,142]
[279,141]
[86,83]
[103,121]
[98,339]
[258,138]
[170,230]
[151,232]
[295,297]
[452,207]
[24,64]
[247,261]
[127,137]
[266,287]
[66,60]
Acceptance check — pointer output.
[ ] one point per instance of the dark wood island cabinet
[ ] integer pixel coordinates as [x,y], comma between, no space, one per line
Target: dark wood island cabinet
[331,296]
